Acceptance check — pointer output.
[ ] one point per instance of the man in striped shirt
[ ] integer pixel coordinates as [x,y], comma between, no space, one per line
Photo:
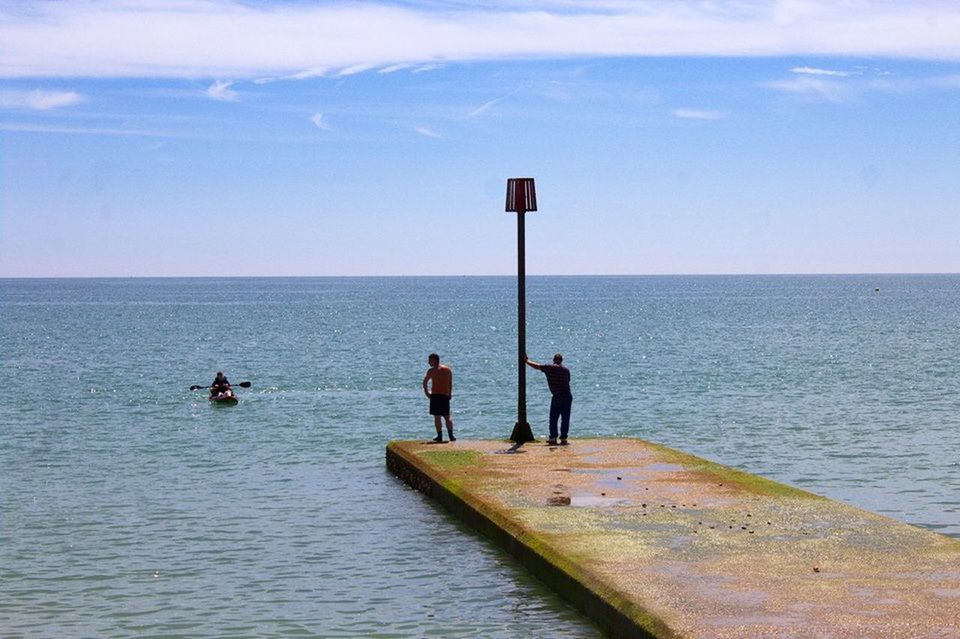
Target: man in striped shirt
[558,379]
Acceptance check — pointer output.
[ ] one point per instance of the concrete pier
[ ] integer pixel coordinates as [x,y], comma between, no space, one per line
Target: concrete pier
[652,542]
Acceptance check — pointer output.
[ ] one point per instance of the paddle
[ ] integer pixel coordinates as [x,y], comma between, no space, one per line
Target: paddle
[241,385]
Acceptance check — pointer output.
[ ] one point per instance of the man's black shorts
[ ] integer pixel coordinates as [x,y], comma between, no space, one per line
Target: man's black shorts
[439,405]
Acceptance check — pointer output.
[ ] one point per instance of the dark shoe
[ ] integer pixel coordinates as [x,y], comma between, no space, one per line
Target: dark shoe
[551,442]
[563,441]
[452,438]
[438,439]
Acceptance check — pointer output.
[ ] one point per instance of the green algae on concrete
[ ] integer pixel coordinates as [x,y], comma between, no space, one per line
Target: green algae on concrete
[453,457]
[654,542]
[717,472]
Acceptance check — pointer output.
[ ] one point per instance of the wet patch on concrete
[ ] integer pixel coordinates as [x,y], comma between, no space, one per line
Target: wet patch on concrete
[595,501]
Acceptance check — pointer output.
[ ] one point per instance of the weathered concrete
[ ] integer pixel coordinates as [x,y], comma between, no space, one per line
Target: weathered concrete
[652,542]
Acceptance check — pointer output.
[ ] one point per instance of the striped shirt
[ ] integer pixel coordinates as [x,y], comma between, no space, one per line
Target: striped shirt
[558,378]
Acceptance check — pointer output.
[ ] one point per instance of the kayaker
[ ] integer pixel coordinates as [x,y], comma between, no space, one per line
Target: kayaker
[220,385]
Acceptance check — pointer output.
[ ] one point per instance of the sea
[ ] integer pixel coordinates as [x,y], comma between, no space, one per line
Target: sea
[131,507]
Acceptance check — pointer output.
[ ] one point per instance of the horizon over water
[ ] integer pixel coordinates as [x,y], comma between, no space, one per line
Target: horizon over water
[131,507]
[16,278]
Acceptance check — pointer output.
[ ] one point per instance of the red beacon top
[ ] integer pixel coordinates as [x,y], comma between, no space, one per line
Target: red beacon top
[521,195]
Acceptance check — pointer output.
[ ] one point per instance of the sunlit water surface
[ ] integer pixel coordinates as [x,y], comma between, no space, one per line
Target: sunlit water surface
[131,507]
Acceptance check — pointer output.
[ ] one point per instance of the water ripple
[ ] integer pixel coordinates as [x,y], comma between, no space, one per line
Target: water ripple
[130,507]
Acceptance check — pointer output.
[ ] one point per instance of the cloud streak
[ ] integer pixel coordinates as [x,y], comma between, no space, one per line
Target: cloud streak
[839,87]
[483,108]
[698,114]
[220,90]
[242,40]
[815,71]
[26,127]
[815,88]
[319,121]
[38,100]
[426,131]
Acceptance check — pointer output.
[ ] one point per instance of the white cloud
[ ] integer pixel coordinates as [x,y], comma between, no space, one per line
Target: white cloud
[244,40]
[354,69]
[38,100]
[833,89]
[698,114]
[815,71]
[393,68]
[220,90]
[426,131]
[427,67]
[321,123]
[815,88]
[23,127]
[486,105]
[318,72]
[299,75]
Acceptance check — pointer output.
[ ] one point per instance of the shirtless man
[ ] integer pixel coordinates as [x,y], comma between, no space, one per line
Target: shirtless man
[439,393]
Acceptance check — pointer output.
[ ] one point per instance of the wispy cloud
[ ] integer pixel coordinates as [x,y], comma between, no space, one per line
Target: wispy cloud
[299,75]
[833,87]
[393,68]
[245,40]
[22,127]
[316,72]
[38,100]
[483,108]
[427,67]
[354,69]
[413,68]
[426,131]
[815,71]
[698,114]
[320,122]
[815,88]
[220,90]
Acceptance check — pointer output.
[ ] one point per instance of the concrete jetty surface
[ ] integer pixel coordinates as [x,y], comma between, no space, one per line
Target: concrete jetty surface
[653,542]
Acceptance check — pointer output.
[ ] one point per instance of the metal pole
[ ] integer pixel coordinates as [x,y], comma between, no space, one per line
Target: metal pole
[521,430]
[517,200]
[521,321]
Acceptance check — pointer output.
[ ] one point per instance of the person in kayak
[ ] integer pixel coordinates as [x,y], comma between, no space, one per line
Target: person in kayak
[220,386]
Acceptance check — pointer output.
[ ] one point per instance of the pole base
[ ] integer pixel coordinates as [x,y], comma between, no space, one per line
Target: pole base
[522,433]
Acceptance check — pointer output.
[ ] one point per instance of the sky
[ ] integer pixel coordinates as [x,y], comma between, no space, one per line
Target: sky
[245,138]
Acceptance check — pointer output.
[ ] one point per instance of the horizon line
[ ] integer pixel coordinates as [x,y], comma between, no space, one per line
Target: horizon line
[461,276]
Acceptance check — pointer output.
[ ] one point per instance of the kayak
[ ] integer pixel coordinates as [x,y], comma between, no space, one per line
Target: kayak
[224,400]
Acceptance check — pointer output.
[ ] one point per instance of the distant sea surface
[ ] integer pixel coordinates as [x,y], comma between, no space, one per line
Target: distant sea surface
[131,507]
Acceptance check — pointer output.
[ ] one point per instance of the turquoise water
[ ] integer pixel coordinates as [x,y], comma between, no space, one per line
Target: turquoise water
[130,507]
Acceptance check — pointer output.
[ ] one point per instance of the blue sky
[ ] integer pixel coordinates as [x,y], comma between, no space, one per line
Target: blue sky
[142,138]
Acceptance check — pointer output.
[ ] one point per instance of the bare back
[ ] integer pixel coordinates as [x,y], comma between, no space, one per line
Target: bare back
[441,380]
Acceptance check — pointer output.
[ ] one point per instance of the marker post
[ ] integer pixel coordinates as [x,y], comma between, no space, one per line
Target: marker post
[521,197]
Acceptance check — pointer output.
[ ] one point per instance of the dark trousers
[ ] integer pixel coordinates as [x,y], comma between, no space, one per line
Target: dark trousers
[560,408]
